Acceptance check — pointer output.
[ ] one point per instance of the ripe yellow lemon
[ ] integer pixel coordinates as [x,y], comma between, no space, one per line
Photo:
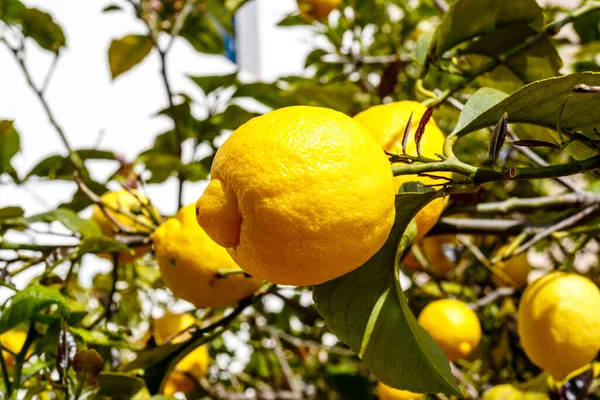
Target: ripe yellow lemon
[433,248]
[385,392]
[134,213]
[189,261]
[515,268]
[317,9]
[299,196]
[13,341]
[387,123]
[453,325]
[194,364]
[559,322]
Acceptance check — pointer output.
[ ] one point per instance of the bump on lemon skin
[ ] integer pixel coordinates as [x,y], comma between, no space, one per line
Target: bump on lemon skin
[126,201]
[13,341]
[189,261]
[195,364]
[515,268]
[387,123]
[318,10]
[453,325]
[385,392]
[559,321]
[315,196]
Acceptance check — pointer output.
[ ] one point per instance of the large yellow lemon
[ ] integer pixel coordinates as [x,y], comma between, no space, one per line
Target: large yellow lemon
[559,322]
[385,392]
[387,123]
[189,261]
[134,212]
[194,365]
[317,9]
[299,196]
[453,325]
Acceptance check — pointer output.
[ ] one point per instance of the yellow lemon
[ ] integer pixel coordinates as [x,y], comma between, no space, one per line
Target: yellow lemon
[433,248]
[516,270]
[13,341]
[189,261]
[385,392]
[195,364]
[317,9]
[453,325]
[387,123]
[133,212]
[299,196]
[559,321]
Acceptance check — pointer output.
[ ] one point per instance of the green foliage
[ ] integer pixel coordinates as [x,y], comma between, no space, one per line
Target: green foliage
[127,52]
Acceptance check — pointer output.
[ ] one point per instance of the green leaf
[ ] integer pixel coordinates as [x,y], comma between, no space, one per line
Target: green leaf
[314,57]
[28,304]
[112,7]
[127,52]
[87,365]
[10,144]
[40,26]
[70,219]
[11,11]
[233,117]
[586,27]
[53,167]
[467,19]
[366,309]
[117,385]
[202,32]
[423,44]
[10,212]
[268,94]
[209,84]
[539,103]
[293,20]
[540,61]
[102,244]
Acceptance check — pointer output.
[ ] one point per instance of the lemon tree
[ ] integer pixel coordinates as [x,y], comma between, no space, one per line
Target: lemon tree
[416,216]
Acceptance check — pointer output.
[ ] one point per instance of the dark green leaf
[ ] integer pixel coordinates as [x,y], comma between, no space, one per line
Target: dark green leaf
[53,167]
[233,117]
[40,26]
[497,139]
[117,385]
[540,61]
[10,212]
[366,310]
[94,154]
[111,7]
[70,219]
[102,244]
[11,11]
[314,57]
[534,143]
[10,144]
[467,19]
[268,94]
[587,27]
[293,20]
[209,84]
[28,304]
[127,52]
[203,33]
[539,104]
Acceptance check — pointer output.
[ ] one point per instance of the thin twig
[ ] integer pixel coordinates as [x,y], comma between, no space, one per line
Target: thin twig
[562,225]
[492,297]
[285,366]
